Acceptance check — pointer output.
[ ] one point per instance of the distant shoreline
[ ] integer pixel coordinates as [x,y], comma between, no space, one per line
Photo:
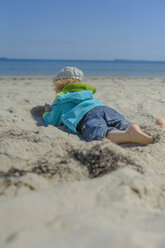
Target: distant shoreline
[83,60]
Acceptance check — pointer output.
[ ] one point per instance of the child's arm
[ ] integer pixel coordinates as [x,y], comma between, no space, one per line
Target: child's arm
[51,117]
[47,110]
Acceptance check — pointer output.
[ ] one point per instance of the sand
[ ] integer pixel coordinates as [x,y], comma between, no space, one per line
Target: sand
[56,190]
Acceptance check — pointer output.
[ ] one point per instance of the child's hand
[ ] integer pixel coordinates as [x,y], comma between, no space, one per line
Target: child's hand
[46,107]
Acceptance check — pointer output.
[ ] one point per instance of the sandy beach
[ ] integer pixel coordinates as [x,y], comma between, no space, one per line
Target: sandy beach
[57,190]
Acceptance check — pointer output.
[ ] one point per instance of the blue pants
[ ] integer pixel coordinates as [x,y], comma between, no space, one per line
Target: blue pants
[100,120]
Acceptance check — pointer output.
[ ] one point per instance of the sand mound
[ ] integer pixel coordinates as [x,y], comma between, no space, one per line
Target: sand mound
[32,159]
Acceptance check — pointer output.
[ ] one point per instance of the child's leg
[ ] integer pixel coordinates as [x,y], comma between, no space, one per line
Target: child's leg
[133,135]
[95,127]
[160,122]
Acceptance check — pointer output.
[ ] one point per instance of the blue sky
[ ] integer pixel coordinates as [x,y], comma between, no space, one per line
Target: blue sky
[83,29]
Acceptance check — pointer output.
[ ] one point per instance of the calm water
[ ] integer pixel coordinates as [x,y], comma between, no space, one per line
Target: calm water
[20,67]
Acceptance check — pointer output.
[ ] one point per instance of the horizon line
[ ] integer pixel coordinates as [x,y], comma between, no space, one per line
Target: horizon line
[115,60]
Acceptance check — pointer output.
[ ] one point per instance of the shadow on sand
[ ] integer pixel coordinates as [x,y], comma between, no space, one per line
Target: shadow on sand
[36,113]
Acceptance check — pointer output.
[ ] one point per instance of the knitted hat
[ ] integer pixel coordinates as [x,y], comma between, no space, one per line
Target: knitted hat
[70,72]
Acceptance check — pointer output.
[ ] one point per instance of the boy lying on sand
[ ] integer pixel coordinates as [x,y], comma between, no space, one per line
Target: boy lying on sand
[75,108]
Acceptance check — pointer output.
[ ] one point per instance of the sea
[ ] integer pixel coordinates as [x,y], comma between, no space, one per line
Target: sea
[41,67]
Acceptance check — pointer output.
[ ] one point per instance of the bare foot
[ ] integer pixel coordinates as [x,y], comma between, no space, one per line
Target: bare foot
[133,135]
[136,135]
[161,122]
